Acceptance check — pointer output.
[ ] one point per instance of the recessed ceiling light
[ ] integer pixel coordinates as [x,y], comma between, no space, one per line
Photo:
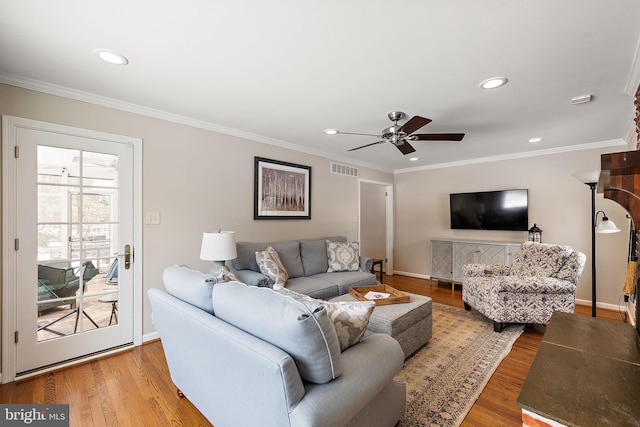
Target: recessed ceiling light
[493,82]
[111,57]
[535,140]
[331,131]
[581,99]
[413,159]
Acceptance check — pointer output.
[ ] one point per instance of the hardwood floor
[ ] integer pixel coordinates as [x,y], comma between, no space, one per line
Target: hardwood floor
[134,388]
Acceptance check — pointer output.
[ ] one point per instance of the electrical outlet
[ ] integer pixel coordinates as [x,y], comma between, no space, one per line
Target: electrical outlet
[152,218]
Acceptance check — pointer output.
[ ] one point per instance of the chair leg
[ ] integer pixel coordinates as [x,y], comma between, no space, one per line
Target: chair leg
[467,306]
[497,326]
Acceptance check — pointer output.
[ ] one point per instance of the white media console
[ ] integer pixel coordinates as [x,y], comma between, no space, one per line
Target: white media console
[448,256]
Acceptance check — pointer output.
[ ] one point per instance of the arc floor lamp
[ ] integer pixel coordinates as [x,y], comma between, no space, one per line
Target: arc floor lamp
[605,227]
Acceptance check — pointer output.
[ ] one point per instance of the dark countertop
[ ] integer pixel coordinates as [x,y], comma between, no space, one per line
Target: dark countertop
[586,373]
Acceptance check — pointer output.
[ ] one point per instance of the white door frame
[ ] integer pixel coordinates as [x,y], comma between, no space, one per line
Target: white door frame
[388,220]
[10,127]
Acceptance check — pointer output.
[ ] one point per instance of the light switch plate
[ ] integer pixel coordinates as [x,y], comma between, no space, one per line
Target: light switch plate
[152,218]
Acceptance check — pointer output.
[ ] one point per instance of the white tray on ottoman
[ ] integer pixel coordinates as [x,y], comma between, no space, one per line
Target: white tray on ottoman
[410,323]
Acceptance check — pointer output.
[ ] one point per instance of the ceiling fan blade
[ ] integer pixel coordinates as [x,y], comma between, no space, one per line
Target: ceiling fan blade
[405,148]
[415,123]
[437,137]
[368,145]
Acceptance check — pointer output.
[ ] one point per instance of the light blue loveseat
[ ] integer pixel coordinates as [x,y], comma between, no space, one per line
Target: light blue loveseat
[306,263]
[224,348]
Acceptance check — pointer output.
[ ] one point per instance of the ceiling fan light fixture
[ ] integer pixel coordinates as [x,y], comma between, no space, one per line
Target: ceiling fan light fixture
[111,57]
[331,131]
[494,82]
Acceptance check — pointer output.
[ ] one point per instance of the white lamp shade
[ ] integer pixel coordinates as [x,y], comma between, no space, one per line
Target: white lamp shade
[218,246]
[607,226]
[588,177]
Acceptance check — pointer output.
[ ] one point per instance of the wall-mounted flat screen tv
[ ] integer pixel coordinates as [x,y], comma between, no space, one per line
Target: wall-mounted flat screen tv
[490,210]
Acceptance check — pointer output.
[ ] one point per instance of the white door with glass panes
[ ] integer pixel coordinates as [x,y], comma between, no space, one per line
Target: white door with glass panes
[74,244]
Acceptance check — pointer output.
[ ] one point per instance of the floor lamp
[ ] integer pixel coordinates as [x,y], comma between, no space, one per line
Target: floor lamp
[605,227]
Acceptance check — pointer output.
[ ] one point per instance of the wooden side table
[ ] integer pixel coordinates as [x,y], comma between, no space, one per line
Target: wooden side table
[378,262]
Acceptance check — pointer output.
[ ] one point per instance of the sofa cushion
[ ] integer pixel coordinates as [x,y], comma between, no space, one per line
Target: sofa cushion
[346,279]
[300,328]
[288,251]
[314,254]
[190,286]
[321,289]
[270,265]
[290,256]
[350,318]
[539,259]
[343,256]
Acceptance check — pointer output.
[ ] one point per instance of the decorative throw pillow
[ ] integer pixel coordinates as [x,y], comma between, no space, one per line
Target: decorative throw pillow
[350,318]
[343,256]
[228,276]
[271,266]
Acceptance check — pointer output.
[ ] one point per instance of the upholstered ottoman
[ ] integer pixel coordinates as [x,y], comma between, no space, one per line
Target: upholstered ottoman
[410,323]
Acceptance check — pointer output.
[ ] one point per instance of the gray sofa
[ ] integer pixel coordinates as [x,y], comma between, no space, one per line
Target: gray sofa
[306,263]
[225,348]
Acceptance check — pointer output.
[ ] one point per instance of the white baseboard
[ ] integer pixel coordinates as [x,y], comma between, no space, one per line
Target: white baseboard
[151,336]
[406,273]
[606,306]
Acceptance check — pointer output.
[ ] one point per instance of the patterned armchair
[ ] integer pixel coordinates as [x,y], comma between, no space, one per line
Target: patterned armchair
[542,279]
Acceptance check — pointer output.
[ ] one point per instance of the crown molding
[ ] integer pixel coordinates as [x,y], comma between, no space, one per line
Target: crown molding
[525,154]
[633,82]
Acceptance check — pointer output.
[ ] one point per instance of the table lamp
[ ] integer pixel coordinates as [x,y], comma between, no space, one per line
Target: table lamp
[218,246]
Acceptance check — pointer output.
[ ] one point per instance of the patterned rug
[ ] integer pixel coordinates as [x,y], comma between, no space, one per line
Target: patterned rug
[445,378]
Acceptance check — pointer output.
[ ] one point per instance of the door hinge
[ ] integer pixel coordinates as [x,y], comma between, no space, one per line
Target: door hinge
[16,337]
[16,151]
[16,244]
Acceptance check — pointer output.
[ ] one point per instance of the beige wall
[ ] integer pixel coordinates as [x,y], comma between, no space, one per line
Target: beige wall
[200,180]
[558,203]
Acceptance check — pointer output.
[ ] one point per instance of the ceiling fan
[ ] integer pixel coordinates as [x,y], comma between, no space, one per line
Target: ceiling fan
[401,135]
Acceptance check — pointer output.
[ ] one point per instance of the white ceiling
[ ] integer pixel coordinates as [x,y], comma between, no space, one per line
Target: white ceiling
[283,71]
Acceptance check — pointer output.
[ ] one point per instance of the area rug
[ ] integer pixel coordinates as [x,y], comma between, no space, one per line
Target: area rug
[445,378]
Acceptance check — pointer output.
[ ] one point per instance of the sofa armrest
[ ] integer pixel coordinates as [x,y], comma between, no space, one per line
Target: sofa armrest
[485,270]
[366,264]
[534,285]
[369,367]
[252,278]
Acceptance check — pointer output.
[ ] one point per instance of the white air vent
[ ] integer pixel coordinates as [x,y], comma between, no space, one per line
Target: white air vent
[343,169]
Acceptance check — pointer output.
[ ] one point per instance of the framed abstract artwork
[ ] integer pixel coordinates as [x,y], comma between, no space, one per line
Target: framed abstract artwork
[282,190]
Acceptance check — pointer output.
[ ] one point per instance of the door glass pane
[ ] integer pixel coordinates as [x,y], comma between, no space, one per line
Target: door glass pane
[77,241]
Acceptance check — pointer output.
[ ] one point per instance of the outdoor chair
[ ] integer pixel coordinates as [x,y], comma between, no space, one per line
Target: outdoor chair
[541,279]
[58,286]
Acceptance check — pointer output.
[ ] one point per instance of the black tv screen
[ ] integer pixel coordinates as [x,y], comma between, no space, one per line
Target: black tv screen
[490,210]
